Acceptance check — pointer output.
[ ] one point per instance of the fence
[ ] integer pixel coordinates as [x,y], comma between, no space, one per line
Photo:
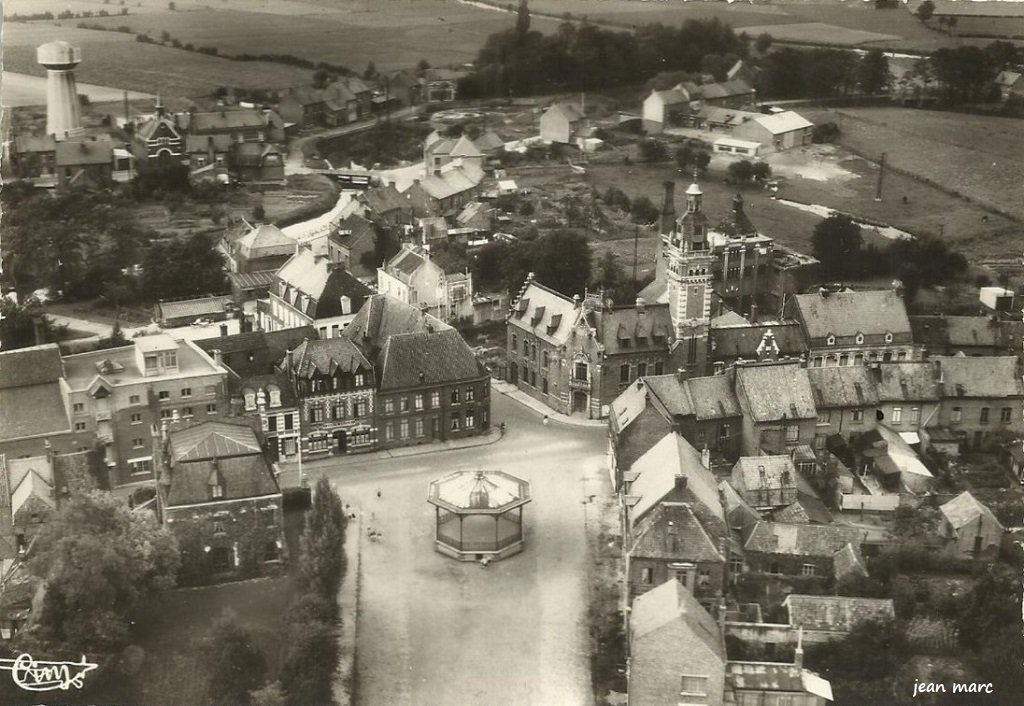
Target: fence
[869,503]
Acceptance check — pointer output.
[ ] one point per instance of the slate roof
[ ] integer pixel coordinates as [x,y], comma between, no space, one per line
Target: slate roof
[656,476]
[673,531]
[324,283]
[427,358]
[713,398]
[965,509]
[806,508]
[489,141]
[773,392]
[739,514]
[383,316]
[35,365]
[32,410]
[221,142]
[844,386]
[625,329]
[454,178]
[251,154]
[242,477]
[193,308]
[801,540]
[352,230]
[725,89]
[213,440]
[265,240]
[221,120]
[405,263]
[384,199]
[672,96]
[257,352]
[77,154]
[569,111]
[673,393]
[625,408]
[669,603]
[849,313]
[940,332]
[848,561]
[546,313]
[742,341]
[325,356]
[907,381]
[836,613]
[778,472]
[980,376]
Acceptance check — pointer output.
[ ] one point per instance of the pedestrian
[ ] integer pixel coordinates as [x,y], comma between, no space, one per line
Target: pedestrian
[373,517]
[545,419]
[378,493]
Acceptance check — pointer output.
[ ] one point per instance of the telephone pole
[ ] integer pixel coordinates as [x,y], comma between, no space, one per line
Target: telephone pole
[636,238]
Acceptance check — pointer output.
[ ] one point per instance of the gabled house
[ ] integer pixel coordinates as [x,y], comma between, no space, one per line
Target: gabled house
[264,247]
[765,482]
[562,123]
[444,192]
[775,683]
[854,327]
[159,136]
[908,396]
[664,109]
[970,335]
[414,278]
[350,239]
[89,163]
[439,151]
[311,291]
[1010,85]
[302,106]
[847,401]
[442,85]
[34,398]
[897,466]
[829,618]
[35,157]
[256,162]
[341,105]
[777,132]
[778,407]
[970,528]
[218,494]
[676,650]
[746,342]
[776,549]
[635,425]
[981,397]
[384,204]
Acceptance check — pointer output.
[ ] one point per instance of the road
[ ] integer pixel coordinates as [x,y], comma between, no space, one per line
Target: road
[435,631]
[295,163]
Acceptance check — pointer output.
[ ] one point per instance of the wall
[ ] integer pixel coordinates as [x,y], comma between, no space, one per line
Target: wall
[441,414]
[762,633]
[970,423]
[657,664]
[660,573]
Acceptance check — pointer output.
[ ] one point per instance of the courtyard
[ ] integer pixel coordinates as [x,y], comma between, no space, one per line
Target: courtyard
[433,630]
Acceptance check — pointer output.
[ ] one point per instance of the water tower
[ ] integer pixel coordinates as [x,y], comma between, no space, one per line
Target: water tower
[62,112]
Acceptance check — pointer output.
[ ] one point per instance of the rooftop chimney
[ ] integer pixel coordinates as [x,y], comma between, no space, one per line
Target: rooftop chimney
[217,357]
[705,458]
[641,305]
[668,208]
[680,481]
[576,301]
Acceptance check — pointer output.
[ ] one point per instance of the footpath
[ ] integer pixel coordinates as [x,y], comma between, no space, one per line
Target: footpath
[510,390]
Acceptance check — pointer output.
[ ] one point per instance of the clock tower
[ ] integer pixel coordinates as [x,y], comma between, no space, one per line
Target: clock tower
[689,284]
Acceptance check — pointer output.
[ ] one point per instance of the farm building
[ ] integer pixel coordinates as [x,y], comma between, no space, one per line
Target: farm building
[663,109]
[971,528]
[1010,84]
[730,145]
[778,132]
[443,84]
[562,122]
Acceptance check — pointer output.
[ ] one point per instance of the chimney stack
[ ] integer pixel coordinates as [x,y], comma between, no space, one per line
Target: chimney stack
[218,358]
[641,305]
[799,655]
[705,458]
[668,208]
[576,301]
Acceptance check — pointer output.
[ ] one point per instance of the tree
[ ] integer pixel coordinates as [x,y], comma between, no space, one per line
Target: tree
[321,77]
[684,157]
[116,338]
[522,21]
[235,665]
[259,213]
[644,210]
[925,10]
[873,71]
[188,267]
[615,197]
[652,150]
[702,159]
[761,171]
[915,524]
[371,71]
[993,603]
[835,242]
[322,560]
[310,664]
[99,561]
[25,325]
[609,273]
[562,261]
[741,172]
[825,132]
[422,67]
[763,43]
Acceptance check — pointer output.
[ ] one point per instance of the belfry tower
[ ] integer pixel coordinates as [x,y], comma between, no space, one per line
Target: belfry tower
[63,118]
[689,284]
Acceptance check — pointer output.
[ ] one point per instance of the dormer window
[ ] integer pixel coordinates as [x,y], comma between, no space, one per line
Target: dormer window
[359,379]
[275,395]
[831,340]
[888,337]
[860,339]
[250,400]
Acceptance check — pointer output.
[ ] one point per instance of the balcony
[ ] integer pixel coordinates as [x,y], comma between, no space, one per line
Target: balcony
[103,415]
[576,384]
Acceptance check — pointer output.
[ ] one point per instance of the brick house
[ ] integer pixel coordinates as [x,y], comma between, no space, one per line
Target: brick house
[908,395]
[635,424]
[302,106]
[970,335]
[778,407]
[34,400]
[414,278]
[217,493]
[118,395]
[774,549]
[429,384]
[765,482]
[333,384]
[263,247]
[854,328]
[348,243]
[982,398]
[676,650]
[159,136]
[847,400]
[970,528]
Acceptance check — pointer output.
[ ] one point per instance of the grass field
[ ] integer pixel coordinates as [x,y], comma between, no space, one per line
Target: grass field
[820,33]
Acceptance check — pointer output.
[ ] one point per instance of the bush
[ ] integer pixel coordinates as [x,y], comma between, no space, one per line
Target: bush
[826,132]
[652,150]
[643,210]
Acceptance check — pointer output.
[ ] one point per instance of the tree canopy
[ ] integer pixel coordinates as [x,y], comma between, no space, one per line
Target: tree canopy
[836,241]
[181,268]
[234,662]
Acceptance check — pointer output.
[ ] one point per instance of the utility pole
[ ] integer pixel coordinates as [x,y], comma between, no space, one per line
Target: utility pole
[636,238]
[881,172]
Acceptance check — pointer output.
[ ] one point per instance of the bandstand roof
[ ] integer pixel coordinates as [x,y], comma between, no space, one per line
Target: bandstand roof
[479,492]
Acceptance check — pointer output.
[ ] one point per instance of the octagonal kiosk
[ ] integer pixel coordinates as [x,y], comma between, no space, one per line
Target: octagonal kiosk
[479,514]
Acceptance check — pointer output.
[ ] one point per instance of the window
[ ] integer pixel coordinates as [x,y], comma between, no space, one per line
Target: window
[403,404]
[470,419]
[819,442]
[624,372]
[470,393]
[164,394]
[389,405]
[858,415]
[544,385]
[211,408]
[435,400]
[211,389]
[455,396]
[316,414]
[359,408]
[659,368]
[166,413]
[723,431]
[136,443]
[218,527]
[792,433]
[808,570]
[831,340]
[403,429]
[773,568]
[419,427]
[580,372]
[272,422]
[360,380]
[456,420]
[515,342]
[289,421]
[546,358]
[915,415]
[533,378]
[275,395]
[824,416]
[338,410]
[641,369]
[897,415]
[957,416]
[696,686]
[646,576]
[133,399]
[526,348]
[888,337]
[139,466]
[79,426]
[1004,415]
[136,418]
[860,339]
[418,401]
[151,363]
[78,407]
[389,431]
[250,400]
[984,415]
[186,392]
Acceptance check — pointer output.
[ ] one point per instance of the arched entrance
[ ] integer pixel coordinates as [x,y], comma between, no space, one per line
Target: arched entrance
[340,442]
[513,374]
[579,403]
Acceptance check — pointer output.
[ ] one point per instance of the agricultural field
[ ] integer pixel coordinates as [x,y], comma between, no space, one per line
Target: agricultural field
[818,32]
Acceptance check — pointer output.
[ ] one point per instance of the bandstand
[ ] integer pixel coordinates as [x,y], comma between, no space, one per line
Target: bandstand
[479,514]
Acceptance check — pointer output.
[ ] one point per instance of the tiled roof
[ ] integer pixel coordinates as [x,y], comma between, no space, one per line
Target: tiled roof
[406,262]
[669,603]
[252,154]
[22,367]
[489,141]
[625,408]
[774,392]
[848,561]
[980,376]
[257,352]
[325,356]
[673,96]
[569,111]
[383,316]
[806,508]
[213,440]
[784,122]
[427,358]
[801,540]
[725,89]
[454,178]
[742,341]
[657,471]
[202,143]
[672,531]
[836,613]
[383,199]
[769,676]
[625,329]
[546,313]
[907,381]
[938,332]
[849,313]
[773,472]
[673,393]
[262,279]
[75,154]
[226,120]
[965,509]
[351,230]
[193,308]
[32,410]
[247,476]
[843,386]
[713,397]
[739,515]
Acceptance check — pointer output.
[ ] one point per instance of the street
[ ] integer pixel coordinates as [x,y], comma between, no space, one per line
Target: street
[433,630]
